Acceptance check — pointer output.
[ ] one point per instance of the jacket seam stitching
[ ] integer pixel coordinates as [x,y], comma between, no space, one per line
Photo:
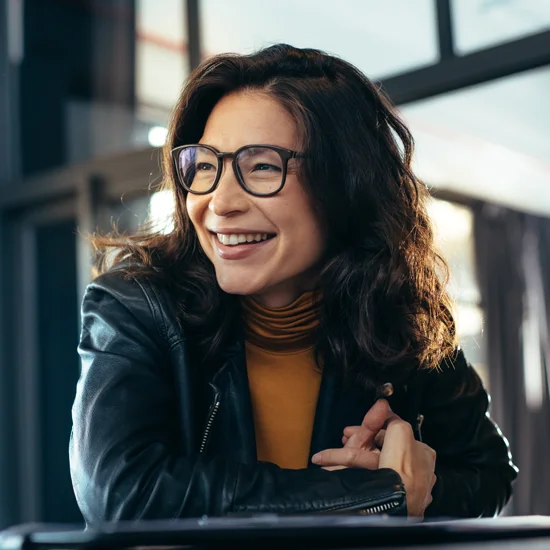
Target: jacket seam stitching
[155,308]
[234,494]
[174,344]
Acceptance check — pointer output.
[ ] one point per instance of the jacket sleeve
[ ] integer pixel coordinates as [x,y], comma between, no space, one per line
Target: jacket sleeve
[126,456]
[473,467]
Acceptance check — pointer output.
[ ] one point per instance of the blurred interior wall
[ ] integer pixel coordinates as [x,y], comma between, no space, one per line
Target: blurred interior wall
[74,51]
[70,52]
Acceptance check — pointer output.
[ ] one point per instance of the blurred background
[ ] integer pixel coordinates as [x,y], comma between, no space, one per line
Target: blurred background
[86,89]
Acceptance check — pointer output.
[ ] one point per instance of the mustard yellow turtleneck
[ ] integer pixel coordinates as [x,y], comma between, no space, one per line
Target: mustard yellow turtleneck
[283,378]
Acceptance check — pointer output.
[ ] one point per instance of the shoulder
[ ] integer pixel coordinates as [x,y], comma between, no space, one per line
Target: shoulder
[120,295]
[455,378]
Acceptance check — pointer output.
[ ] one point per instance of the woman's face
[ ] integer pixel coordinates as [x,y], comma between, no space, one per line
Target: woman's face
[278,270]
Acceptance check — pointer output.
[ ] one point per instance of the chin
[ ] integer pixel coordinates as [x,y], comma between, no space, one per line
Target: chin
[238,286]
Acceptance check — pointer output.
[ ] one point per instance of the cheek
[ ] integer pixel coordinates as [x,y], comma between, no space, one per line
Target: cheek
[305,236]
[191,206]
[312,242]
[195,209]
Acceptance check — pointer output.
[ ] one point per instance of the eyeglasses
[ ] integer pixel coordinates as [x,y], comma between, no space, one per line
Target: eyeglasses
[260,169]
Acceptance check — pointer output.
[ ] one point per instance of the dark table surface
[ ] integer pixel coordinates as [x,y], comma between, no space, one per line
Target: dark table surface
[270,531]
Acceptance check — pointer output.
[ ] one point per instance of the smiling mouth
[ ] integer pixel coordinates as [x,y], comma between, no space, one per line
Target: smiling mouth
[243,239]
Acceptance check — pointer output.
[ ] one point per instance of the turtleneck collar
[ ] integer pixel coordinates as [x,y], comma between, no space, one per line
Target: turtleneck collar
[287,329]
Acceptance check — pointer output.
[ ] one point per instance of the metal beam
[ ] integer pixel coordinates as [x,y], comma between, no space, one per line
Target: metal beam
[135,170]
[9,171]
[193,34]
[460,72]
[445,29]
[10,56]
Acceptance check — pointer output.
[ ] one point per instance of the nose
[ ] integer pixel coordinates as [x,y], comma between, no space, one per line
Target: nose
[228,197]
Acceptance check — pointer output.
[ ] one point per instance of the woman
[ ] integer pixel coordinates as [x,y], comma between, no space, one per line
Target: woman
[289,347]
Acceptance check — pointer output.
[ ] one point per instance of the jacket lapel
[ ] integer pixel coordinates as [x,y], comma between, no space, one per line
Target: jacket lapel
[234,434]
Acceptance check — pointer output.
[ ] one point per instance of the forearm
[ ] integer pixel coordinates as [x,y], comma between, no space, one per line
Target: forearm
[152,485]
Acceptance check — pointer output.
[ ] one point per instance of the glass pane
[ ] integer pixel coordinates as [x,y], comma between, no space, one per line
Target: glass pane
[161,211]
[483,23]
[490,141]
[381,38]
[162,61]
[453,228]
[97,128]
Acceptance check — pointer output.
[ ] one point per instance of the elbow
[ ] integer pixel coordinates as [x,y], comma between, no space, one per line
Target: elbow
[98,494]
[101,502]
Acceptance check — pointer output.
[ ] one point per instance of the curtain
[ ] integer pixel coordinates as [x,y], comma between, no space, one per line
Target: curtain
[513,268]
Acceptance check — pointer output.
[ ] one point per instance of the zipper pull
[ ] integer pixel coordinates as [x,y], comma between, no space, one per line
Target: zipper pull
[418,427]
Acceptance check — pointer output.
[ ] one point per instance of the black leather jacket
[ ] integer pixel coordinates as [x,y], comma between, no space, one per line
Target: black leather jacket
[152,439]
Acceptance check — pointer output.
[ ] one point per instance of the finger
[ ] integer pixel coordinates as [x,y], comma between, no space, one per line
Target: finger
[377,416]
[379,439]
[350,430]
[348,457]
[334,468]
[345,442]
[397,439]
[373,421]
[360,439]
[434,480]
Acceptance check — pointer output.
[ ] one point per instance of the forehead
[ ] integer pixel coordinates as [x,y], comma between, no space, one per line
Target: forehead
[247,117]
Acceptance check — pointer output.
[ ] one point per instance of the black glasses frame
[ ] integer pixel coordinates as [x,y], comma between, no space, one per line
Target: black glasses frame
[285,154]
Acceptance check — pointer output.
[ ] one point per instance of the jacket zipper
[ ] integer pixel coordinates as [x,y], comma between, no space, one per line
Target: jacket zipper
[380,508]
[211,417]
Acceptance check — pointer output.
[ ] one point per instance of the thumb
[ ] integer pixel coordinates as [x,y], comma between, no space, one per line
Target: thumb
[375,419]
[377,416]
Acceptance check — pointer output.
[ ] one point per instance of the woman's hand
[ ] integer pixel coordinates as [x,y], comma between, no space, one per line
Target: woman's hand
[412,460]
[359,449]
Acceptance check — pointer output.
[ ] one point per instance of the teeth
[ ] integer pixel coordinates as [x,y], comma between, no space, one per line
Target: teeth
[234,239]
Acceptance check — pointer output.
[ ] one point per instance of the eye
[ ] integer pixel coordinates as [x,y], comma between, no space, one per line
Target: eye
[204,167]
[264,167]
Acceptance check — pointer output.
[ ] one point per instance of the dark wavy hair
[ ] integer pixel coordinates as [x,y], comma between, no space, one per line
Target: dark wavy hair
[385,309]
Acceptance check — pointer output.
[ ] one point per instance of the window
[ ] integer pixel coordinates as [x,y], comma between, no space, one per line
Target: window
[162,62]
[453,226]
[490,141]
[380,38]
[481,24]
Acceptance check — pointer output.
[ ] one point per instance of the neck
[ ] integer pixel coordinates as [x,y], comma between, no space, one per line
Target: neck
[287,292]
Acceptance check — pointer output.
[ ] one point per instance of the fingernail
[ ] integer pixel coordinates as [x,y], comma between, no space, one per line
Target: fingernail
[316,459]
